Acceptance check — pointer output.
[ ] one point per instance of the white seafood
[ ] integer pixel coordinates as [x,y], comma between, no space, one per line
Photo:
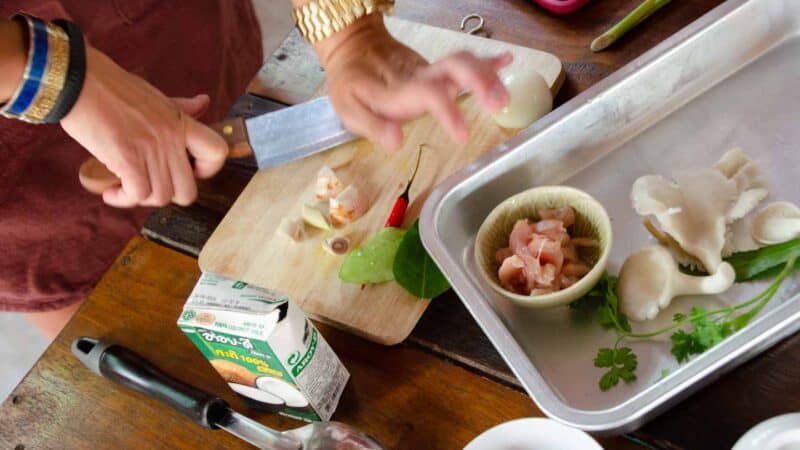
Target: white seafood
[776,223]
[348,206]
[650,279]
[328,184]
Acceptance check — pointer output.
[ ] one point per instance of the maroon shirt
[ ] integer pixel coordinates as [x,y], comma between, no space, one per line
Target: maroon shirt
[56,240]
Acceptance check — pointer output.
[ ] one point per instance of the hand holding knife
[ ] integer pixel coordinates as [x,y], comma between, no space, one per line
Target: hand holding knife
[274,138]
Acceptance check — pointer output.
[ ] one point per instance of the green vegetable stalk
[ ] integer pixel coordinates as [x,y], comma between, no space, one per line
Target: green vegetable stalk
[636,16]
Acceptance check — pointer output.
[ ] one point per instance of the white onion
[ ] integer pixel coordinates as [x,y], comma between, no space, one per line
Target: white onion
[530,99]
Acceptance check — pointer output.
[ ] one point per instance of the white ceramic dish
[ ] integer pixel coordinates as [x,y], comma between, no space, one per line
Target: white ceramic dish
[533,434]
[778,433]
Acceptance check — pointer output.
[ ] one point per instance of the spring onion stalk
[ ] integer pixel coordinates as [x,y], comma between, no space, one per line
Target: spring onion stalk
[636,16]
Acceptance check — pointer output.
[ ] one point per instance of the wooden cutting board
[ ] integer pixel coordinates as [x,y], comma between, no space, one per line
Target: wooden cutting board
[245,245]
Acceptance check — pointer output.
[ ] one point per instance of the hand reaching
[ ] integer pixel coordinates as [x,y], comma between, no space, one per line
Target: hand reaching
[376,84]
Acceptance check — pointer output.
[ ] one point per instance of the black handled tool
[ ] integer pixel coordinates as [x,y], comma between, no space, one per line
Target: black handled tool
[127,368]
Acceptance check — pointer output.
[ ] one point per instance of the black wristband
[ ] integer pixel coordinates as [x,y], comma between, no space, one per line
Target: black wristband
[75,73]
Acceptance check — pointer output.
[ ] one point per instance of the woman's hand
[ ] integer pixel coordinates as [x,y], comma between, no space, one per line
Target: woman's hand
[376,84]
[143,136]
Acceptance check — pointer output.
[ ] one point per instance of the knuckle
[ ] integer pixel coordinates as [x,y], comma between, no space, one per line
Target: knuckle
[169,139]
[139,192]
[161,198]
[186,198]
[428,87]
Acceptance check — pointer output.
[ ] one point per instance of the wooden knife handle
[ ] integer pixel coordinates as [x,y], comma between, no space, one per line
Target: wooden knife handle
[95,177]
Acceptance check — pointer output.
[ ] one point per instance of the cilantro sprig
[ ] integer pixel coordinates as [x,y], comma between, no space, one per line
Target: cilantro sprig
[705,328]
[621,364]
[603,298]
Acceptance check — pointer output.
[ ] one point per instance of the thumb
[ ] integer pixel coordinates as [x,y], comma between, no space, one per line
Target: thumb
[195,106]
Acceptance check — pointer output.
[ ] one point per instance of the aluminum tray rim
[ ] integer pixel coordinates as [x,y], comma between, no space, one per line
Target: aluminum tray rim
[628,415]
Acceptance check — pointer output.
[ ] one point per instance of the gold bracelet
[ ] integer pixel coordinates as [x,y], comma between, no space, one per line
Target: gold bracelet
[55,75]
[320,19]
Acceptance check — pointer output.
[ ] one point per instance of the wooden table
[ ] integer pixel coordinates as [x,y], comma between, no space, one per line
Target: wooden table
[404,396]
[443,386]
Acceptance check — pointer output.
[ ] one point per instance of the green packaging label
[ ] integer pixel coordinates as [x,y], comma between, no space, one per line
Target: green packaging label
[264,347]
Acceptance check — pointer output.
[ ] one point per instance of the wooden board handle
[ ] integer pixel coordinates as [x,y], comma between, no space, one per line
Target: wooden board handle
[95,177]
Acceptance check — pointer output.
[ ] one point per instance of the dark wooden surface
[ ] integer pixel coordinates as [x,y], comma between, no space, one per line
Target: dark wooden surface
[406,397]
[713,418]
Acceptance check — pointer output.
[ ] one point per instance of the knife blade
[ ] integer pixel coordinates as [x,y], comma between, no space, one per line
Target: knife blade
[295,132]
[274,138]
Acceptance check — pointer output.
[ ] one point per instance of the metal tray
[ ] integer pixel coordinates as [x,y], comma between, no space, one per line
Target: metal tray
[729,79]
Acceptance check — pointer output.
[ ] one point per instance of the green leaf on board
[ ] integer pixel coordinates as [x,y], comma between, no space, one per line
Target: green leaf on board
[373,261]
[415,270]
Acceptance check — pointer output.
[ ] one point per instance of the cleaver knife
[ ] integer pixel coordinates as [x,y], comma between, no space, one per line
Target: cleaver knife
[274,138]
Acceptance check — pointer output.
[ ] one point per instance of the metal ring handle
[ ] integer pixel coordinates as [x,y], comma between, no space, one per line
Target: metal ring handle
[478,28]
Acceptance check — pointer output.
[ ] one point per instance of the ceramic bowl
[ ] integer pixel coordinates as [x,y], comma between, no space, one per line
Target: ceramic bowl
[533,433]
[591,220]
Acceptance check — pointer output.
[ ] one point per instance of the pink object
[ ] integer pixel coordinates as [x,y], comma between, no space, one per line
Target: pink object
[562,6]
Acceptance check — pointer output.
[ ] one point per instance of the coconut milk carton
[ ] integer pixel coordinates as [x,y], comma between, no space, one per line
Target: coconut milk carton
[264,347]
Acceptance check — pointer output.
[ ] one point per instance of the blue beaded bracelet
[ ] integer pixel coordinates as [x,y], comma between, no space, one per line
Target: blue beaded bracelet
[35,69]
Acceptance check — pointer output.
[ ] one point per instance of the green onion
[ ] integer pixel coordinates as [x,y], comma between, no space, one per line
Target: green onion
[636,16]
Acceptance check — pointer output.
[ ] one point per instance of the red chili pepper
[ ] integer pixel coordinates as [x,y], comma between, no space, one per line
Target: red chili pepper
[398,213]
